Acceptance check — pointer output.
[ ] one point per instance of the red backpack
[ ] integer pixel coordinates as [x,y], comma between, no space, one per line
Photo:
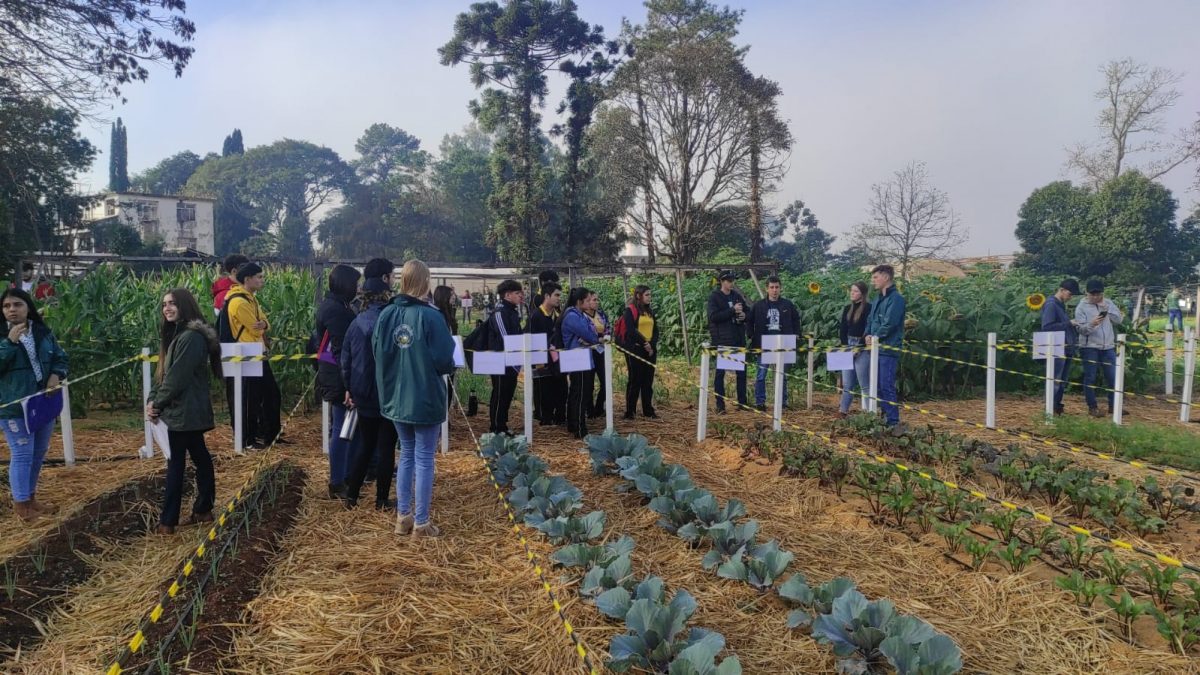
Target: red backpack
[620,329]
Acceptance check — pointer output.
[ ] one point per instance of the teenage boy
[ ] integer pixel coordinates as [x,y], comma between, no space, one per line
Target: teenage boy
[1096,320]
[886,326]
[1055,318]
[549,388]
[727,328]
[248,323]
[774,316]
[220,287]
[505,321]
[1174,310]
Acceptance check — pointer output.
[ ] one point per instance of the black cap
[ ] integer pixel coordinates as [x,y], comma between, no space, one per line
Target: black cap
[248,270]
[725,274]
[377,267]
[1095,286]
[1070,285]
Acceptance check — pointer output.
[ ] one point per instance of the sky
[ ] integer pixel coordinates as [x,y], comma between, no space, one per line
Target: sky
[988,94]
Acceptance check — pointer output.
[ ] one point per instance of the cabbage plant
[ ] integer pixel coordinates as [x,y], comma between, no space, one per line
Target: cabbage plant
[655,641]
[759,565]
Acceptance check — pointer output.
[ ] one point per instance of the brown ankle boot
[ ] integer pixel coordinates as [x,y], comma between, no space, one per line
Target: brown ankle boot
[25,511]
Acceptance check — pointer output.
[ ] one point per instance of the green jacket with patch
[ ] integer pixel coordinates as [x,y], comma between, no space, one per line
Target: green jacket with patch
[413,350]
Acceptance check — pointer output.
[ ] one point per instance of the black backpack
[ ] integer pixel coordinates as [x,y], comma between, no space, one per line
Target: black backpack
[476,340]
[224,328]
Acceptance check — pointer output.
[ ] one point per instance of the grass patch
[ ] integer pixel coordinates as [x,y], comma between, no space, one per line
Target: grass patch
[1178,448]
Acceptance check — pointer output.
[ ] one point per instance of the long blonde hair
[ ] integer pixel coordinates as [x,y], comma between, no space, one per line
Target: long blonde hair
[414,279]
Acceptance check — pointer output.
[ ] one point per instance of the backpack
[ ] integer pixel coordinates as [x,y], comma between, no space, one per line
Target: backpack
[476,340]
[224,328]
[619,329]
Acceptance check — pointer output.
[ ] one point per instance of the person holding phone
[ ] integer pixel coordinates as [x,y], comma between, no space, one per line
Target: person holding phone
[1096,322]
[727,328]
[30,361]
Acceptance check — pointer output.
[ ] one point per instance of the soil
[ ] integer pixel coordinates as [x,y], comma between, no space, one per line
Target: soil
[69,554]
[239,581]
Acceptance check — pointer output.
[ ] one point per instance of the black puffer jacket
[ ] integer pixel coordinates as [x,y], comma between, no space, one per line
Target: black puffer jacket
[506,320]
[334,315]
[723,327]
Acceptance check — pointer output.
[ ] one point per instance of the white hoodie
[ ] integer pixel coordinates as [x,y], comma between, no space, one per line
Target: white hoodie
[1103,336]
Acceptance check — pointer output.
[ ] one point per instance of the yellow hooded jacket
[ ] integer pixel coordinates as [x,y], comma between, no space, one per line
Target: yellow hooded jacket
[244,312]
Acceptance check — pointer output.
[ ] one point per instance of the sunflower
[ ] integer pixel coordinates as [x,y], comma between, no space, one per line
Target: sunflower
[942,279]
[1035,301]
[814,287]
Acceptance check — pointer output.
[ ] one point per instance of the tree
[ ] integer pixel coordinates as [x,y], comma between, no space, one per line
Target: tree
[809,249]
[462,179]
[118,158]
[41,153]
[686,124]
[78,53]
[513,47]
[169,176]
[1124,232]
[1135,99]
[233,144]
[233,216]
[910,220]
[769,139]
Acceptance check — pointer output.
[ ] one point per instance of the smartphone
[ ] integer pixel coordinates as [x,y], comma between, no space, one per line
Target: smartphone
[1103,314]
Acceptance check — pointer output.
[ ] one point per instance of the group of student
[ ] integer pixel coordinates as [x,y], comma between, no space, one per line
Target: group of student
[1090,334]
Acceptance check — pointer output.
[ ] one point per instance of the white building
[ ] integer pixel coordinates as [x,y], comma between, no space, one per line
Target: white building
[181,223]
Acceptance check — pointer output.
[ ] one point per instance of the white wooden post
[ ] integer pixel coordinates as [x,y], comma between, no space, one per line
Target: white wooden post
[990,415]
[812,362]
[1119,396]
[68,430]
[1189,374]
[239,411]
[873,398]
[608,385]
[1169,361]
[702,405]
[527,387]
[145,399]
[446,422]
[779,388]
[1050,383]
[326,415]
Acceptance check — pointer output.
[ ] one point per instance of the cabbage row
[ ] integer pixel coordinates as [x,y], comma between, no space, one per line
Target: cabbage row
[657,637]
[866,636]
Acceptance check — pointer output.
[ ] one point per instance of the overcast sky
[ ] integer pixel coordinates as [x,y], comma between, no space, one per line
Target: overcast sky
[987,93]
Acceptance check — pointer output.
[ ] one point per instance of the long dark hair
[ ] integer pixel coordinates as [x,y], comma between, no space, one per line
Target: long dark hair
[639,300]
[189,311]
[577,295]
[21,295]
[857,309]
[443,299]
[343,282]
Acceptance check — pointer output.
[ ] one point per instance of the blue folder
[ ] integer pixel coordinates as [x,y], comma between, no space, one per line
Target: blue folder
[42,409]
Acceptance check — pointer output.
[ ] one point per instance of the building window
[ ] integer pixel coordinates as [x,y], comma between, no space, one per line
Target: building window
[110,207]
[147,210]
[185,213]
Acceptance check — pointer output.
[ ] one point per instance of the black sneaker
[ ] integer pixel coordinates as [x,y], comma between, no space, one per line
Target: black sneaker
[385,505]
[761,407]
[720,411]
[627,416]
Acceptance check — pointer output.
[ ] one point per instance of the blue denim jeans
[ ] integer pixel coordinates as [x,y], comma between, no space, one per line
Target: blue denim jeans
[1062,368]
[28,451]
[1174,315]
[418,445]
[340,451]
[720,387]
[1093,360]
[859,376]
[888,367]
[760,383]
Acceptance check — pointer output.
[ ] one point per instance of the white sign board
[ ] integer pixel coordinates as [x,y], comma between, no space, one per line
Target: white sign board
[488,363]
[460,355]
[778,349]
[574,360]
[839,360]
[515,344]
[728,359]
[1052,343]
[249,368]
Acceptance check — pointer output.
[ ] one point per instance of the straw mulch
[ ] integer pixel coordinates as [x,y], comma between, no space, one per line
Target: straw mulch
[102,613]
[1004,623]
[353,597]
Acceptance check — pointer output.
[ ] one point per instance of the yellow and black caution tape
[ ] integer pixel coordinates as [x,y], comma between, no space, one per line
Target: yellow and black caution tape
[1033,375]
[1021,434]
[539,572]
[135,643]
[72,381]
[273,358]
[976,494]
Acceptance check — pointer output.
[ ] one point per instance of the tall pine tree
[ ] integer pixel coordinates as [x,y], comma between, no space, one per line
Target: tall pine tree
[118,158]
[233,144]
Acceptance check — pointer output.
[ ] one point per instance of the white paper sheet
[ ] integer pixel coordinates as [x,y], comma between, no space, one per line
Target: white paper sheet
[778,342]
[249,368]
[460,355]
[730,360]
[515,344]
[158,432]
[839,360]
[1049,342]
[575,360]
[488,363]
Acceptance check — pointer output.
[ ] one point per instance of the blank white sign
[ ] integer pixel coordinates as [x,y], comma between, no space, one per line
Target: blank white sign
[839,360]
[773,346]
[515,344]
[1049,343]
[575,360]
[730,360]
[488,363]
[249,368]
[460,355]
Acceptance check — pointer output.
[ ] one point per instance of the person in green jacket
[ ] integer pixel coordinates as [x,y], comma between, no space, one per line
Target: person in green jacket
[30,361]
[413,349]
[886,325]
[188,355]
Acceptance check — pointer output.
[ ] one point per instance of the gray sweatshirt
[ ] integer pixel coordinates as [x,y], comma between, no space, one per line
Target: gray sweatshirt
[1103,336]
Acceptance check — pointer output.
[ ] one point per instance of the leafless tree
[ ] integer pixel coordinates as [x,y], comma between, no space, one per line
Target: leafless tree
[1135,99]
[910,220]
